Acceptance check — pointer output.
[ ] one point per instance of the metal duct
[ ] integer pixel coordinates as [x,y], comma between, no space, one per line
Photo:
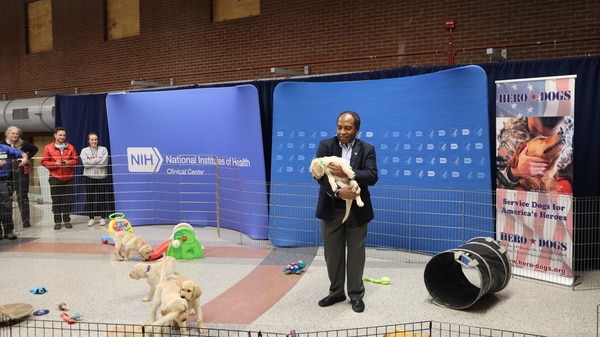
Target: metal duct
[29,114]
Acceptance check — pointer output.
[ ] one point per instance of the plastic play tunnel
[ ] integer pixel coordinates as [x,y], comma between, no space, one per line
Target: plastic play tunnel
[446,273]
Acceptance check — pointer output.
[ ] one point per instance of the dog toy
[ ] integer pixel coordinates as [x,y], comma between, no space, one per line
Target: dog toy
[183,243]
[384,280]
[62,306]
[38,290]
[41,312]
[77,316]
[107,240]
[67,318]
[119,223]
[295,267]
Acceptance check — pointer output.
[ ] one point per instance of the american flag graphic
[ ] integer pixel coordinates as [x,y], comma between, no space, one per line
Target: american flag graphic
[533,97]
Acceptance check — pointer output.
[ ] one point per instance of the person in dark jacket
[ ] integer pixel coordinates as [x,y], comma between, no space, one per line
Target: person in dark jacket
[344,243]
[8,153]
[20,174]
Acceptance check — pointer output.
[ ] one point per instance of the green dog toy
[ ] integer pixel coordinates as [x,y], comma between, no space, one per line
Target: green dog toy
[384,280]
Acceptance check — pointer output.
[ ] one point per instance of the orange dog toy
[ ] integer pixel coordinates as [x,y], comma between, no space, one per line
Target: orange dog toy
[67,318]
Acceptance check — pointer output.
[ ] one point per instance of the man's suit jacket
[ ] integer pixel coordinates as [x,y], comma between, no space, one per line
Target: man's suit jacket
[363,162]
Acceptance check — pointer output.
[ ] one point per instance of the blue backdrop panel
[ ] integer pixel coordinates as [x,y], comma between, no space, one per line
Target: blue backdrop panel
[430,131]
[177,154]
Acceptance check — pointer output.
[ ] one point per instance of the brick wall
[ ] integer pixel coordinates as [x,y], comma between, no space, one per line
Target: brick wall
[179,40]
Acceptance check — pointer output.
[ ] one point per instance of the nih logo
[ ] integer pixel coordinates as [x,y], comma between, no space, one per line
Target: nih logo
[143,159]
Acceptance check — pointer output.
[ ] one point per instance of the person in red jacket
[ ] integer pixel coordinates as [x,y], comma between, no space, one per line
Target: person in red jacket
[60,158]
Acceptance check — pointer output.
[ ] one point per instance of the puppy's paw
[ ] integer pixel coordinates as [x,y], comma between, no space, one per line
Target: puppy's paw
[203,331]
[146,299]
[192,312]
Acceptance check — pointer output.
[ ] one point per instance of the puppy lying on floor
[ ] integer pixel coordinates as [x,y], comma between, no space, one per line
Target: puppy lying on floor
[152,273]
[126,242]
[190,291]
[125,331]
[401,333]
[548,148]
[319,168]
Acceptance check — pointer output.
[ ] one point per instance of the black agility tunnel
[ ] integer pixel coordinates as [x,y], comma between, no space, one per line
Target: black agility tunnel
[445,277]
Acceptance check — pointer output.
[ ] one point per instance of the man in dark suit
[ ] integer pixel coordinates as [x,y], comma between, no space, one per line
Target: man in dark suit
[331,207]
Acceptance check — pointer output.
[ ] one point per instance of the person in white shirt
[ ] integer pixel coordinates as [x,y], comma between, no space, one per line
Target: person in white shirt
[95,178]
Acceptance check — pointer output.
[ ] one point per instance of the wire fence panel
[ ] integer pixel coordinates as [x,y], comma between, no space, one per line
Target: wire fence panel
[411,223]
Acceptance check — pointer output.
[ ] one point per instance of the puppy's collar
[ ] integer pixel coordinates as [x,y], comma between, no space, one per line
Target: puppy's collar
[148,269]
[322,162]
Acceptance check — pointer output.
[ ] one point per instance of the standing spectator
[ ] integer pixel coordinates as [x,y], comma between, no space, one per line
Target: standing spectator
[95,171]
[20,174]
[6,154]
[60,158]
[344,243]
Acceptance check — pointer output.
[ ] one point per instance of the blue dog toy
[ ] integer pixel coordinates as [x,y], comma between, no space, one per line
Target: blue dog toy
[295,267]
[107,240]
[38,290]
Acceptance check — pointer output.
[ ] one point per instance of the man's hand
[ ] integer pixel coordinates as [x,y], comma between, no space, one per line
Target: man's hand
[336,170]
[23,161]
[529,166]
[347,193]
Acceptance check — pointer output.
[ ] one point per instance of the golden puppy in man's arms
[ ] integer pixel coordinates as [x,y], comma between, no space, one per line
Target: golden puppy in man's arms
[127,242]
[152,273]
[190,291]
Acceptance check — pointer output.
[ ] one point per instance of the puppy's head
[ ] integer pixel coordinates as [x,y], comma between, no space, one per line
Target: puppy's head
[189,290]
[548,148]
[145,252]
[317,168]
[139,271]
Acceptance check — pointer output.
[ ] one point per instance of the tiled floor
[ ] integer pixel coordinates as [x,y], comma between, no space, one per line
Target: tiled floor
[244,287]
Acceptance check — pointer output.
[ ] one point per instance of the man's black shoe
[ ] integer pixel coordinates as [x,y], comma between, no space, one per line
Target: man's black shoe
[358,305]
[331,300]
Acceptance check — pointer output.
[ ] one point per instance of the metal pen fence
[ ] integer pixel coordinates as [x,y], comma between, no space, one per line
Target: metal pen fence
[41,328]
[411,223]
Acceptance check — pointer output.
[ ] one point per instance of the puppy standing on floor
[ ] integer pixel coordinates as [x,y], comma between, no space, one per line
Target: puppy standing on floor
[129,242]
[173,308]
[152,273]
[190,291]
[319,168]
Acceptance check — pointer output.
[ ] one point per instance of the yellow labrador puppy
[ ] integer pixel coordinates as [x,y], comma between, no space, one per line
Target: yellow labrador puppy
[125,331]
[127,242]
[190,291]
[319,167]
[172,307]
[152,273]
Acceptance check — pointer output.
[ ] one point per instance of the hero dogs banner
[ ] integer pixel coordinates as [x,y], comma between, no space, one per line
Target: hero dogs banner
[177,154]
[534,129]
